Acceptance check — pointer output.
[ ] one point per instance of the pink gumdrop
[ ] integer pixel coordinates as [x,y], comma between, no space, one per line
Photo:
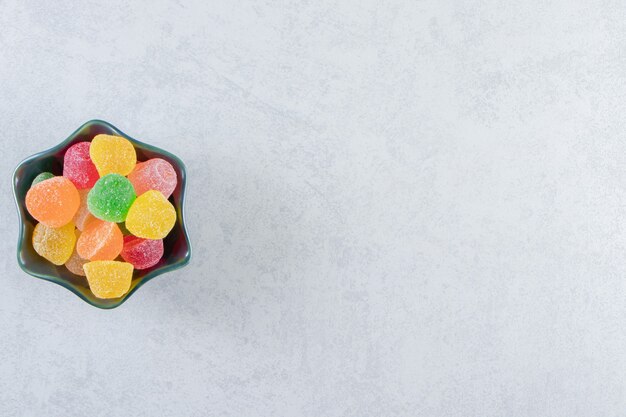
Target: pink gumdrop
[83,215]
[142,253]
[77,166]
[154,174]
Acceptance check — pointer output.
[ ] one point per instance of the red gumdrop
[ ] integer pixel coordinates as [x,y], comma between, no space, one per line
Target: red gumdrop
[77,166]
[142,253]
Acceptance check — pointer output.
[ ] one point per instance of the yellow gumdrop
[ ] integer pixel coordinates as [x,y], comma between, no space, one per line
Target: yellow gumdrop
[109,279]
[151,216]
[54,244]
[112,155]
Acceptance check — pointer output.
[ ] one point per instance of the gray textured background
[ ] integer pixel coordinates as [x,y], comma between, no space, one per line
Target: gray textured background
[397,208]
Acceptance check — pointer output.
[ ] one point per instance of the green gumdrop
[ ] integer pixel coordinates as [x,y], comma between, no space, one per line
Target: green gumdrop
[42,177]
[111,197]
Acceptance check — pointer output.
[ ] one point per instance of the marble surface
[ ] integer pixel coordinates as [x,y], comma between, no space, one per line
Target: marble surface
[397,208]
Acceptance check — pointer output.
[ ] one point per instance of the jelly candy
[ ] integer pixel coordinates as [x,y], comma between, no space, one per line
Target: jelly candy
[142,253]
[77,166]
[154,174]
[112,155]
[109,279]
[42,177]
[79,212]
[53,202]
[100,241]
[75,263]
[151,216]
[111,198]
[54,244]
[83,215]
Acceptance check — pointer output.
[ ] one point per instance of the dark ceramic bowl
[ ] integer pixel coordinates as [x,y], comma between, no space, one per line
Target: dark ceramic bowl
[177,247]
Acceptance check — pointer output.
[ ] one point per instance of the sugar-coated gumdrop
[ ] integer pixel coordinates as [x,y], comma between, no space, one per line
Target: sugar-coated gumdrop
[83,215]
[42,177]
[54,244]
[109,279]
[151,216]
[78,167]
[100,241]
[53,202]
[154,174]
[111,198]
[112,155]
[142,253]
[75,263]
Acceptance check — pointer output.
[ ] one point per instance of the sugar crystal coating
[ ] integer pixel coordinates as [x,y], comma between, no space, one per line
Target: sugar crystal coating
[100,241]
[111,198]
[54,244]
[112,155]
[154,174]
[83,215]
[53,202]
[78,167]
[42,177]
[75,263]
[109,279]
[151,216]
[142,253]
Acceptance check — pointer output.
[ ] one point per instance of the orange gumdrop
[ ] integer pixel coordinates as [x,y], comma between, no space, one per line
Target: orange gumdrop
[100,241]
[53,202]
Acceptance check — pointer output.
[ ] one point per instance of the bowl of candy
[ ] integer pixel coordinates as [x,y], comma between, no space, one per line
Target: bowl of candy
[101,214]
